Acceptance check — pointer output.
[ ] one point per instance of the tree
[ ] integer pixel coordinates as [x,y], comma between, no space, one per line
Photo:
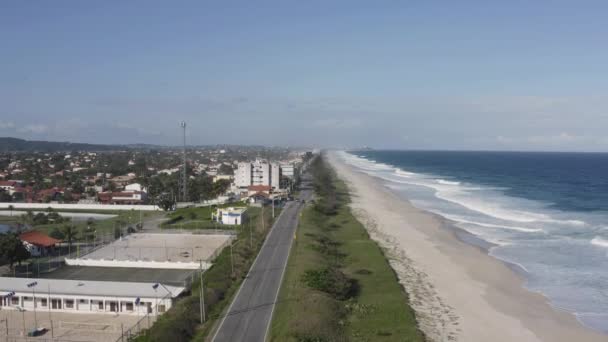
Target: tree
[70,232]
[40,218]
[165,202]
[12,249]
[226,170]
[5,196]
[117,232]
[78,187]
[56,233]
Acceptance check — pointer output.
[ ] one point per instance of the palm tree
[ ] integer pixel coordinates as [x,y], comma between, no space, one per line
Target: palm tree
[69,232]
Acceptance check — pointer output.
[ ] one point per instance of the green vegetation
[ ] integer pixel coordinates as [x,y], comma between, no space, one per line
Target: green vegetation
[81,230]
[338,285]
[12,250]
[182,321]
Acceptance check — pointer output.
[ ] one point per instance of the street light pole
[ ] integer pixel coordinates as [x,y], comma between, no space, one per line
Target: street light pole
[33,286]
[48,305]
[231,259]
[202,300]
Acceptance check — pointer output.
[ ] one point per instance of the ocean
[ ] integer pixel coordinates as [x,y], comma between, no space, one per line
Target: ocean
[546,213]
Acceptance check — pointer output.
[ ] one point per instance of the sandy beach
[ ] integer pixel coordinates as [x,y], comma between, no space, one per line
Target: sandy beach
[458,291]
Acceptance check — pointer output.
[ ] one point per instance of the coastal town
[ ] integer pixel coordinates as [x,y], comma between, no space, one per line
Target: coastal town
[141,176]
[105,242]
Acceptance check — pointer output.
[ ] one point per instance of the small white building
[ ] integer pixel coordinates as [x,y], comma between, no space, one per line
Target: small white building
[230,215]
[135,187]
[222,177]
[83,296]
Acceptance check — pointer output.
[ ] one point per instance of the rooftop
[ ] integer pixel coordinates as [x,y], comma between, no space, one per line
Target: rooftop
[89,288]
[38,239]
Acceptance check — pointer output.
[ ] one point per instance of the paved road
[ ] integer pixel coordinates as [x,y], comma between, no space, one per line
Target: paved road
[249,315]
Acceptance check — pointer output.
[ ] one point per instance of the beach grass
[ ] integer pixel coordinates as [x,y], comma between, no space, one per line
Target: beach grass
[377,307]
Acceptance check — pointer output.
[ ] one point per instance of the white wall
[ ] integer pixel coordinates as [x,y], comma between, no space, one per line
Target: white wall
[242,176]
[91,304]
[43,206]
[260,173]
[275,176]
[138,264]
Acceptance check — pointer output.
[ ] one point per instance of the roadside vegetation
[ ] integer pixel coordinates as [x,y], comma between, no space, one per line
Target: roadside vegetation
[339,285]
[182,321]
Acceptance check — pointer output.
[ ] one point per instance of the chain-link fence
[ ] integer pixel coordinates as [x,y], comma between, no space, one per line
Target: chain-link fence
[37,267]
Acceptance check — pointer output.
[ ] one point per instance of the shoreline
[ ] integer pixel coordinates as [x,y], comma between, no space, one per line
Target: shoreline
[459,291]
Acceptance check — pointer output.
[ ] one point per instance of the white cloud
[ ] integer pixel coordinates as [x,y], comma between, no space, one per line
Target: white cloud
[34,128]
[6,125]
[338,123]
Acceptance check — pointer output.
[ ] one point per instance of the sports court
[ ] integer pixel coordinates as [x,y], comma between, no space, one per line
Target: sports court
[175,277]
[69,327]
[150,250]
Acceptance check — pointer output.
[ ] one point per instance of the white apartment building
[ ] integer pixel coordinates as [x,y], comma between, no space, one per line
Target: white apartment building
[242,176]
[288,170]
[275,176]
[258,173]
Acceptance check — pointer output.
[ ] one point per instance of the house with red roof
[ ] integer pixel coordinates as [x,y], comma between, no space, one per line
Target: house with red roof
[9,186]
[123,197]
[257,189]
[37,243]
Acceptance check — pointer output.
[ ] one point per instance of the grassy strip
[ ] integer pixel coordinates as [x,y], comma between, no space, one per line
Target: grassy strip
[339,285]
[182,321]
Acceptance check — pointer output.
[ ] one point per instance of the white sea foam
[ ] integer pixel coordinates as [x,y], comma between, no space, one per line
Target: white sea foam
[445,182]
[456,193]
[404,173]
[490,225]
[599,241]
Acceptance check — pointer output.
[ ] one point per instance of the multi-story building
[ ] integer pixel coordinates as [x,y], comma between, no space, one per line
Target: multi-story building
[288,170]
[242,176]
[258,173]
[275,176]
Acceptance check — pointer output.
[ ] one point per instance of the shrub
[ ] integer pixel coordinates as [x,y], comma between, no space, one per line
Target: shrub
[56,233]
[332,281]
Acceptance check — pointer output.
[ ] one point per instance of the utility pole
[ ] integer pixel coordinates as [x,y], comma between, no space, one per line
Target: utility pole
[250,236]
[184,175]
[202,303]
[231,259]
[33,286]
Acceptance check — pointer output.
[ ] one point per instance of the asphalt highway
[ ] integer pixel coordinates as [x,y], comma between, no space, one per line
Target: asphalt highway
[249,315]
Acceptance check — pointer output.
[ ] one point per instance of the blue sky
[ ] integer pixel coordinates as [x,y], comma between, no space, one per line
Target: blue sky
[514,75]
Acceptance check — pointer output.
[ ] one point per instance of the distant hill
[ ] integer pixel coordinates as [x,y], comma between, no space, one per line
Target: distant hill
[19,145]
